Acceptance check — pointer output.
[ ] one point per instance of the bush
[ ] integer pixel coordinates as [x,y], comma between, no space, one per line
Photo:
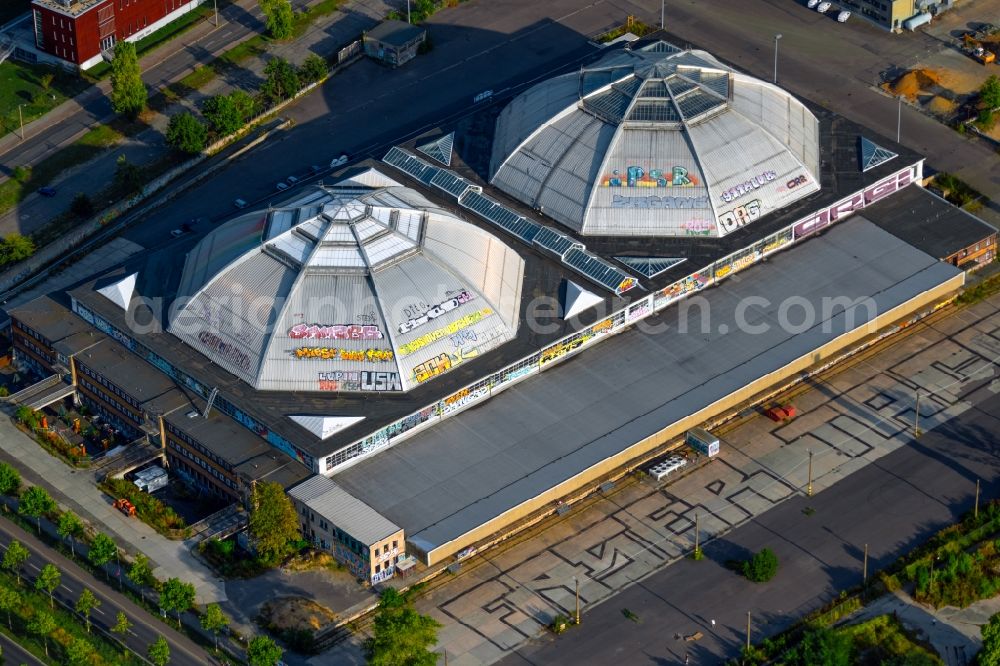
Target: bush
[82,206]
[761,567]
[150,510]
[21,174]
[16,247]
[186,133]
[281,80]
[313,69]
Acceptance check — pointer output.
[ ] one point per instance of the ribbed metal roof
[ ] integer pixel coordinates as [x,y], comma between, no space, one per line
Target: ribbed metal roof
[363,289]
[325,498]
[656,141]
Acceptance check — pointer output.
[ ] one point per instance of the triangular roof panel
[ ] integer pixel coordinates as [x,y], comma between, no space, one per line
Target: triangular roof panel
[440,148]
[120,292]
[578,299]
[872,154]
[649,266]
[326,426]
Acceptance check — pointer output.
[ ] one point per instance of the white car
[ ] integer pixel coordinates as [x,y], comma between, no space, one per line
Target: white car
[240,203]
[340,161]
[823,7]
[291,180]
[843,16]
[176,233]
[282,186]
[812,4]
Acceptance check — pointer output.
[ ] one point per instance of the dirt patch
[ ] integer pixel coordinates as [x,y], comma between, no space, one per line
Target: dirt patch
[940,106]
[311,560]
[914,82]
[296,614]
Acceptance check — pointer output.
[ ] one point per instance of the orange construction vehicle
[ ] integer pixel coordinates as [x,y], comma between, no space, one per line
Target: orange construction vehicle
[125,506]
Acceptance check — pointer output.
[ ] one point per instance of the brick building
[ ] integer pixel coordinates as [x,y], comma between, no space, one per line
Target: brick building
[78,31]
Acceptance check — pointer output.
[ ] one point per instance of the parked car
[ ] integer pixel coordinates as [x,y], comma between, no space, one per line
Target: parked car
[240,203]
[177,233]
[812,4]
[843,16]
[282,186]
[47,191]
[315,168]
[340,161]
[291,180]
[823,7]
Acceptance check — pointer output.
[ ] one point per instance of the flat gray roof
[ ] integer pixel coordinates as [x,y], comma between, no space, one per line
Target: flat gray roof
[444,482]
[344,510]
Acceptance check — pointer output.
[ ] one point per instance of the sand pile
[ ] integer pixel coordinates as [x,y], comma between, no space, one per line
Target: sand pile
[914,82]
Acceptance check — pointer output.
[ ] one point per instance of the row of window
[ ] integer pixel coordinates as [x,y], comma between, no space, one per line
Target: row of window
[197,446]
[340,535]
[111,401]
[27,343]
[115,420]
[102,380]
[196,476]
[30,332]
[222,478]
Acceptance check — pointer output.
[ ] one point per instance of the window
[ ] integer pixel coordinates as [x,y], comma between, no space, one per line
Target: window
[376,551]
[378,567]
[394,545]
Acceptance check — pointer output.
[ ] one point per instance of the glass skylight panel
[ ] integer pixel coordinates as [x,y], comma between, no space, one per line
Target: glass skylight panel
[655,111]
[655,89]
[650,266]
[313,228]
[387,247]
[293,246]
[368,228]
[408,224]
[697,103]
[610,104]
[381,214]
[337,256]
[554,241]
[339,233]
[281,221]
[450,183]
[499,215]
[679,85]
[595,269]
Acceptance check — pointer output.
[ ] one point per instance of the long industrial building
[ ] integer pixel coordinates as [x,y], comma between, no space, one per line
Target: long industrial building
[348,331]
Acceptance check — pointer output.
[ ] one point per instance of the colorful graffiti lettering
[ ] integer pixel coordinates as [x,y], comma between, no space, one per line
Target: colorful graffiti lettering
[625,285]
[794,182]
[440,364]
[746,187]
[447,305]
[445,331]
[462,337]
[333,353]
[380,381]
[672,203]
[636,176]
[560,349]
[226,350]
[698,227]
[334,332]
[740,216]
[736,265]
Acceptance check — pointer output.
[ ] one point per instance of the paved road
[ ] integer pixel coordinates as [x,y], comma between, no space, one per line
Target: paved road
[74,580]
[892,505]
[15,654]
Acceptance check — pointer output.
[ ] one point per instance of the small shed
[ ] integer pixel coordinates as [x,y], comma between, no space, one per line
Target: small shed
[394,42]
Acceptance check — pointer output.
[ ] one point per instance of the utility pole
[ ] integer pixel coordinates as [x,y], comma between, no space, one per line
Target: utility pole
[864,569]
[216,3]
[577,599]
[809,486]
[899,116]
[776,38]
[408,11]
[748,630]
[916,417]
[20,117]
[663,14]
[697,548]
[975,510]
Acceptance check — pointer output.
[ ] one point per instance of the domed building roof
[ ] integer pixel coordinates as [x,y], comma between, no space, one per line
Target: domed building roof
[363,287]
[656,141]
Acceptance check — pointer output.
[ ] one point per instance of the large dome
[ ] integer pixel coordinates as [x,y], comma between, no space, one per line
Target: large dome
[366,286]
[656,141]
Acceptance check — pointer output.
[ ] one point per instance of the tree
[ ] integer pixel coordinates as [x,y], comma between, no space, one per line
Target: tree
[313,69]
[9,600]
[128,175]
[822,647]
[159,651]
[82,206]
[27,416]
[70,527]
[214,620]
[177,596]
[128,92]
[16,247]
[989,93]
[401,636]
[85,604]
[222,113]
[102,550]
[122,626]
[245,104]
[186,133]
[36,502]
[263,651]
[989,655]
[140,572]
[273,521]
[42,624]
[14,558]
[10,480]
[79,652]
[278,17]
[761,567]
[48,580]
[281,81]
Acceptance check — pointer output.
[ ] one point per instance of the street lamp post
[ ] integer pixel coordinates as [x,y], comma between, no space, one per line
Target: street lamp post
[408,11]
[899,116]
[809,484]
[916,415]
[776,38]
[663,14]
[21,120]
[216,4]
[577,581]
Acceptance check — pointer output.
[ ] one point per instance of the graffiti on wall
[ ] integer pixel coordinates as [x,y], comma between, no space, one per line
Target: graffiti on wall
[560,349]
[364,380]
[440,364]
[333,354]
[698,227]
[447,305]
[792,183]
[740,216]
[671,203]
[444,332]
[225,350]
[748,186]
[636,176]
[334,332]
